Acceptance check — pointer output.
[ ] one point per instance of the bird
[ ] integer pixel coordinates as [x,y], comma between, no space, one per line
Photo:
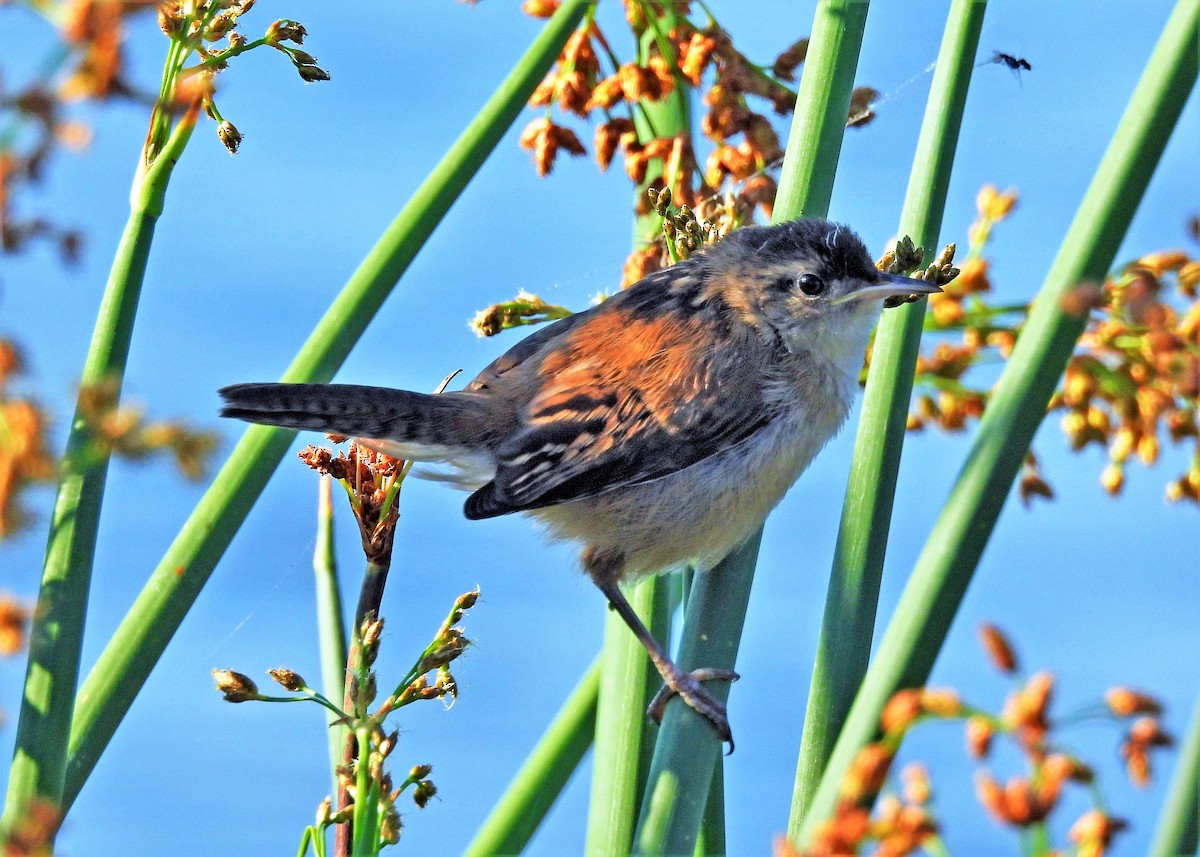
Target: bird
[655,429]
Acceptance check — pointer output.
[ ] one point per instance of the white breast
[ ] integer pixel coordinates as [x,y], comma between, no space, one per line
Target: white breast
[702,512]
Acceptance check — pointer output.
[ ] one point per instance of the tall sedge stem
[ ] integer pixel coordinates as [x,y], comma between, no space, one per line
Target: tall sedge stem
[1018,404]
[623,737]
[331,627]
[175,584]
[687,749]
[848,625]
[40,757]
[1178,829]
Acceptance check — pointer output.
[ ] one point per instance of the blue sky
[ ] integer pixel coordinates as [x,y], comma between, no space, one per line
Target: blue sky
[252,248]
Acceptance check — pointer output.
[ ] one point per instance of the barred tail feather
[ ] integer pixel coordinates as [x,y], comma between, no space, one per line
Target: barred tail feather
[450,420]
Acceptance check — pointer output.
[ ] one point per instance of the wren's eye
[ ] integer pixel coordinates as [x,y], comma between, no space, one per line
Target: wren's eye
[811,284]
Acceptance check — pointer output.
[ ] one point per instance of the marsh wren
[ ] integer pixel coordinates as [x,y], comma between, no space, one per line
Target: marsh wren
[657,428]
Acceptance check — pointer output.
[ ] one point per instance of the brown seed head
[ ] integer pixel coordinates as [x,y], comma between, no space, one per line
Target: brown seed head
[787,62]
[311,73]
[999,650]
[994,205]
[236,686]
[979,736]
[285,30]
[1093,832]
[540,8]
[901,711]
[917,787]
[229,136]
[864,778]
[289,679]
[422,794]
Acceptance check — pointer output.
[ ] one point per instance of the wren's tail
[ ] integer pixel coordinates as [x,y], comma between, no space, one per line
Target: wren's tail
[450,420]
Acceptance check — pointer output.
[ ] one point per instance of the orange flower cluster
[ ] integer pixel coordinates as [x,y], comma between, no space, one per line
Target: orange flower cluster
[124,432]
[14,619]
[1134,380]
[95,29]
[590,79]
[951,402]
[1024,801]
[33,835]
[23,458]
[1137,375]
[902,824]
[91,67]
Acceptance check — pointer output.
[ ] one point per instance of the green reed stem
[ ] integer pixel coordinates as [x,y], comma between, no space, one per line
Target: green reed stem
[331,624]
[844,647]
[175,584]
[56,639]
[1178,828]
[943,570]
[624,739]
[687,748]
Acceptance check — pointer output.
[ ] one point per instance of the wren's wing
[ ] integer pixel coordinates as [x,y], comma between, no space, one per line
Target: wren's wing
[527,348]
[625,397]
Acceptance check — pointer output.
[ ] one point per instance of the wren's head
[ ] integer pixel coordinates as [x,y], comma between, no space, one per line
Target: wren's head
[811,281]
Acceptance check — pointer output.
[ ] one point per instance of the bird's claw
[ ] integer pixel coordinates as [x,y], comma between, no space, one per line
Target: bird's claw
[690,688]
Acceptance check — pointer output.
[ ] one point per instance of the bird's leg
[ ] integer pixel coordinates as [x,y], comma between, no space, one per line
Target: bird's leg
[689,685]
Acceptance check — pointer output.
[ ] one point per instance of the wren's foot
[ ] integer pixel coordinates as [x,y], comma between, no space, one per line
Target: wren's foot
[690,688]
[677,681]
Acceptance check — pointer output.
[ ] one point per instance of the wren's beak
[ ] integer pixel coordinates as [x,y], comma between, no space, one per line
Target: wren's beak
[892,286]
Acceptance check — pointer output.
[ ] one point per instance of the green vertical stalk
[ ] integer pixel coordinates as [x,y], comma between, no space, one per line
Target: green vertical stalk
[175,584]
[624,738]
[815,140]
[1178,829]
[711,842]
[625,673]
[56,640]
[1018,404]
[520,810]
[331,626]
[687,749]
[844,647]
[687,752]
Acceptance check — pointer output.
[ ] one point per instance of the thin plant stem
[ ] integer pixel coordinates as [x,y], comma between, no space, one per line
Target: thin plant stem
[39,767]
[815,140]
[951,554]
[687,748]
[625,671]
[711,842]
[624,739]
[520,810]
[1178,828]
[844,646]
[134,649]
[687,751]
[370,597]
[331,627]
